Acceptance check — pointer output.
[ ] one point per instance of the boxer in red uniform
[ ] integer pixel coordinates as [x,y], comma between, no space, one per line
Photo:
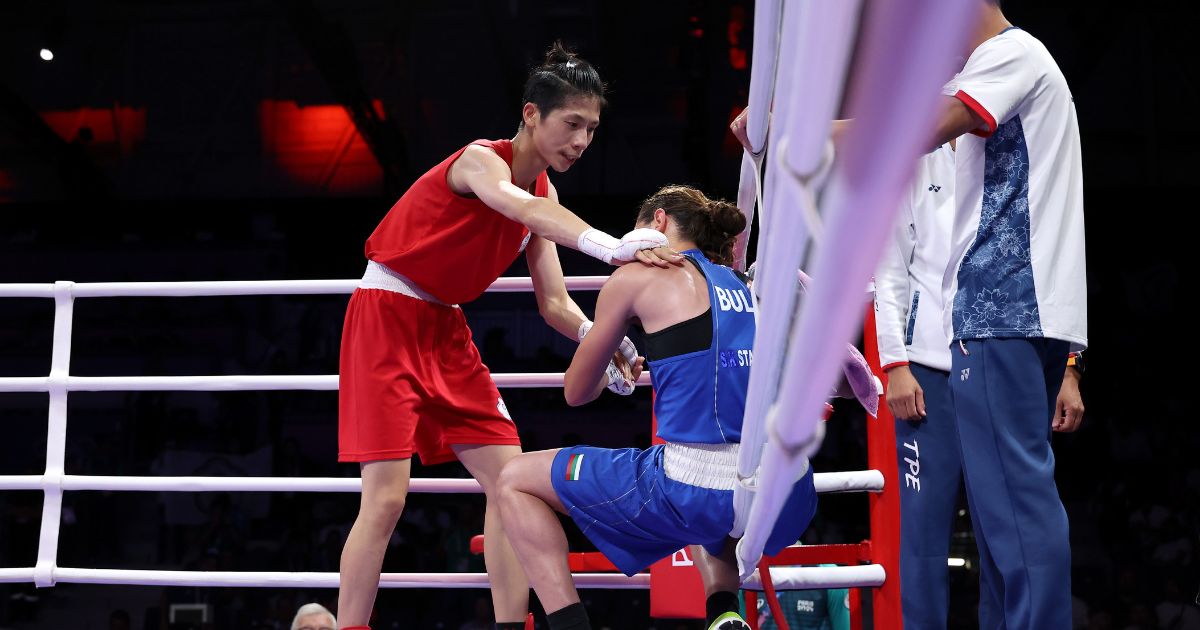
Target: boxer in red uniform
[410,378]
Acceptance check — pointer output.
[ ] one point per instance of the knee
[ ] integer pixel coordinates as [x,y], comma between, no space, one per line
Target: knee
[507,486]
[384,507]
[506,482]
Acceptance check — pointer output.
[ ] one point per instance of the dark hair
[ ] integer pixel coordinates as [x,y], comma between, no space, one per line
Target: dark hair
[712,223]
[562,76]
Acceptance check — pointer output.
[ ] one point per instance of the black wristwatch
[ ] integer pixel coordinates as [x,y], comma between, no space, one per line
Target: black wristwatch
[1075,360]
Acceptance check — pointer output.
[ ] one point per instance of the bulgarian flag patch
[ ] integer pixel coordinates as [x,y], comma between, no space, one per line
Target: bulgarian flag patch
[573,465]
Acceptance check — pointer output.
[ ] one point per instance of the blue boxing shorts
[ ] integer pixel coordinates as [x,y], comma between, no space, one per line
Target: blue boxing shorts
[636,513]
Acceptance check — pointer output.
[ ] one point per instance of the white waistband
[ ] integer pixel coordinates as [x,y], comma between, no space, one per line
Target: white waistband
[712,466]
[378,276]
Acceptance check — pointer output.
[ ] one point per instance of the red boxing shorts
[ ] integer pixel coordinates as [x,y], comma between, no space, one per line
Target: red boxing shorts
[410,379]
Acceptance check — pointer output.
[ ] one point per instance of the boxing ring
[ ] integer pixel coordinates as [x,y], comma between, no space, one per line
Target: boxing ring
[907,49]
[56,480]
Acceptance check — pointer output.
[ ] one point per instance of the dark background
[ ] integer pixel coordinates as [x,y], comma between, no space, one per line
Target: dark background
[214,140]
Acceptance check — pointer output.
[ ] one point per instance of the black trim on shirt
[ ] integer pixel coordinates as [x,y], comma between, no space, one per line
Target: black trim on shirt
[685,337]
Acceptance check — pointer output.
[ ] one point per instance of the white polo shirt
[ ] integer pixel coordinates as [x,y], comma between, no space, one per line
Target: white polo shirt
[1017,267]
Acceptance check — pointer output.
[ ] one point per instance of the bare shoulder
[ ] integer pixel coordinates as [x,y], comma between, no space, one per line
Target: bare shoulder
[631,280]
[630,277]
[635,280]
[476,163]
[476,154]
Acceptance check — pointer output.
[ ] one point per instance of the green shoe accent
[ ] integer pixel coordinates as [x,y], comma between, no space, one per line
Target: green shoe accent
[729,621]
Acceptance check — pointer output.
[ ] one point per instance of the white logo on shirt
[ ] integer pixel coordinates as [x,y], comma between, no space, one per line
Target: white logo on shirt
[733,300]
[966,374]
[502,408]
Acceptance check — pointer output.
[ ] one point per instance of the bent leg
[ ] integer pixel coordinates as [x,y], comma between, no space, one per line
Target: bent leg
[510,587]
[384,488]
[527,504]
[719,574]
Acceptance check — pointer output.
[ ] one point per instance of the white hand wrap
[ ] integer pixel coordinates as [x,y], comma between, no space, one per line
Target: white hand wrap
[597,244]
[628,350]
[617,383]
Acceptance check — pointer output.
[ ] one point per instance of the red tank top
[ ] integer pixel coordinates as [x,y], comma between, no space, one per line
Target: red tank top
[451,246]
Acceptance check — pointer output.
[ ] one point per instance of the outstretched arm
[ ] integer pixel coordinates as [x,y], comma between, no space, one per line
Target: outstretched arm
[479,171]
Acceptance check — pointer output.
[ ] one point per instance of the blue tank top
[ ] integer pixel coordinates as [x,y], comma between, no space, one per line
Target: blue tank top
[700,396]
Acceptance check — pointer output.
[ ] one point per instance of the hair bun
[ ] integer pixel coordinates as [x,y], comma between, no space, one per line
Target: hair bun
[558,54]
[727,217]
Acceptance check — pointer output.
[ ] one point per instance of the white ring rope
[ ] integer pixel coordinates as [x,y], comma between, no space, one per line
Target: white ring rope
[237,382]
[781,577]
[804,578]
[762,90]
[833,482]
[273,579]
[54,482]
[253,287]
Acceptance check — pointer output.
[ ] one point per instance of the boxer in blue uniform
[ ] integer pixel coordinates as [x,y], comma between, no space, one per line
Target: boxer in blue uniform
[638,506]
